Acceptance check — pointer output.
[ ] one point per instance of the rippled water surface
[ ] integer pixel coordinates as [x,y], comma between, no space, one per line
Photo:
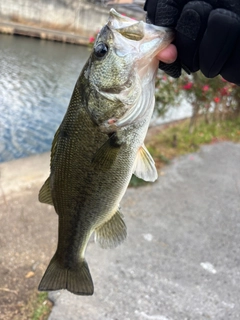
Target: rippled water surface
[37,78]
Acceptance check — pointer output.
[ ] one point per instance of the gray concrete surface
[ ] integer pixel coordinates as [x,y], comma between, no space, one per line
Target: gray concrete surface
[181,259]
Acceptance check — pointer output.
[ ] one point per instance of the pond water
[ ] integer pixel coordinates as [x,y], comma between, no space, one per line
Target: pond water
[37,78]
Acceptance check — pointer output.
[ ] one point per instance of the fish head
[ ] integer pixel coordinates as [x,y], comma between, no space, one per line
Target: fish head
[122,69]
[109,72]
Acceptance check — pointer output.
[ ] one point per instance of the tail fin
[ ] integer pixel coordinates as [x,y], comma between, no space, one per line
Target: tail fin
[77,280]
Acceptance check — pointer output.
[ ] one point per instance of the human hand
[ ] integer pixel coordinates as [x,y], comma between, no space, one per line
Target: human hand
[207,35]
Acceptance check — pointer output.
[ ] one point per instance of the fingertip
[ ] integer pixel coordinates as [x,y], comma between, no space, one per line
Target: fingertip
[168,55]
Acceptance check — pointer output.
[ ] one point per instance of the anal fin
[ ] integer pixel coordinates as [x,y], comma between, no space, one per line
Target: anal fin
[112,232]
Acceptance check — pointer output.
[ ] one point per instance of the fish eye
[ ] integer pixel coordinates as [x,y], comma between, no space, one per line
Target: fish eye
[101,50]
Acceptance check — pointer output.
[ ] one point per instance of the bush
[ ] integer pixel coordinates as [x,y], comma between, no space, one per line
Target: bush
[214,98]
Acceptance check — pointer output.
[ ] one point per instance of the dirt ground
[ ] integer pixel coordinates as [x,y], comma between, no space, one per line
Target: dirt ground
[28,234]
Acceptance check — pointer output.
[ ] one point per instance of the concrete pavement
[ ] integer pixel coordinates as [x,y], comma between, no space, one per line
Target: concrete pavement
[181,259]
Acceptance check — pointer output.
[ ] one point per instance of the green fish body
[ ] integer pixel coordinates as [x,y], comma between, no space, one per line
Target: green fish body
[99,145]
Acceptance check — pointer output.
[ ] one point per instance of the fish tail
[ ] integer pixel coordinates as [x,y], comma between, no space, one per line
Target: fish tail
[77,280]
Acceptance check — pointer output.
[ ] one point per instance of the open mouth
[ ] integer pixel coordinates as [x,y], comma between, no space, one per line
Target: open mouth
[133,32]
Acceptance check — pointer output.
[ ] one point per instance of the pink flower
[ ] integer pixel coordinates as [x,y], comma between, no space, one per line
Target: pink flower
[91,39]
[216,99]
[205,87]
[188,86]
[164,78]
[224,91]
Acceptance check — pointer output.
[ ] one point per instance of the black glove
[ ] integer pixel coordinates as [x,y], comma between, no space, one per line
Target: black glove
[207,35]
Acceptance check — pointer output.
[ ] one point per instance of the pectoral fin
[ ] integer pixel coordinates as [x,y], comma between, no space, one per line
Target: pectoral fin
[111,233]
[45,193]
[145,165]
[106,155]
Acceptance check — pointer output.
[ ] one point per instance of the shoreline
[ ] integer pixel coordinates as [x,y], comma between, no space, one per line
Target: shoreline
[19,29]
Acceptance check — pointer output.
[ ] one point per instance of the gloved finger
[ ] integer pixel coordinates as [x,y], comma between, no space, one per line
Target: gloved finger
[150,6]
[172,69]
[190,30]
[231,69]
[219,41]
[231,5]
[165,12]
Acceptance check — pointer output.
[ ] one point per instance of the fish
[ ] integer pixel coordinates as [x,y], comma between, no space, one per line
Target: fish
[99,146]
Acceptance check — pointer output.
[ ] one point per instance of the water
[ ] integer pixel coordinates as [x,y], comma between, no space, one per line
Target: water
[37,78]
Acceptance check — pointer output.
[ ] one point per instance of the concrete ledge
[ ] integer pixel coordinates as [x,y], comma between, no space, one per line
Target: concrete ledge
[42,33]
[22,174]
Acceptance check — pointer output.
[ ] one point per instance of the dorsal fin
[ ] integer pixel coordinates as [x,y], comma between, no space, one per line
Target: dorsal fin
[144,167]
[54,145]
[45,195]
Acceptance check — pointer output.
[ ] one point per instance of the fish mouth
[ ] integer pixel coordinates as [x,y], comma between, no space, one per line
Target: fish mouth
[127,27]
[134,32]
[147,38]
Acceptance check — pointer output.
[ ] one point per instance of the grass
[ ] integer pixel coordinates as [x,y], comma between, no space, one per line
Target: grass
[175,140]
[42,307]
[37,308]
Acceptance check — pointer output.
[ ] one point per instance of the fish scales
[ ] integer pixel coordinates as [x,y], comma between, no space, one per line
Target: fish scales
[99,145]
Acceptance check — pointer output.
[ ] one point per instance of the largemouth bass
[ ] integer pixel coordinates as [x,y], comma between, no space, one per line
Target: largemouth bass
[100,144]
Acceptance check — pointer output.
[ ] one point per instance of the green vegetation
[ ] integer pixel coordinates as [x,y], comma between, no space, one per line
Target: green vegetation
[38,307]
[176,140]
[41,307]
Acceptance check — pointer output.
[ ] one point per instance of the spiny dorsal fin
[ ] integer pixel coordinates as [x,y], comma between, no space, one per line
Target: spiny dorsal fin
[107,153]
[111,233]
[45,193]
[145,166]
